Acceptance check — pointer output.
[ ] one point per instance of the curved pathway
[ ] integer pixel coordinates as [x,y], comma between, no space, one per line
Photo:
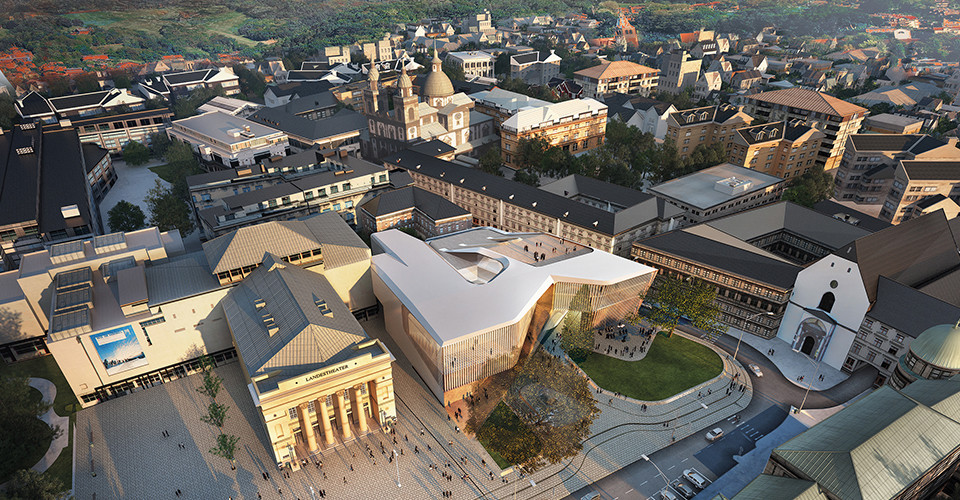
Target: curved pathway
[49,391]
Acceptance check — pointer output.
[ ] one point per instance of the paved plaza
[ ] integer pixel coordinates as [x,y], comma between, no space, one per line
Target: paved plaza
[132,185]
[132,459]
[793,364]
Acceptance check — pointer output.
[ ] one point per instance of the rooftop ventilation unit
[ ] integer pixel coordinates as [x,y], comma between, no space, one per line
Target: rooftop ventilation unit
[70,211]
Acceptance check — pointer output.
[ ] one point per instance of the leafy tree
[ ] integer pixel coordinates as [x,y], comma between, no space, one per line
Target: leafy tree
[27,484]
[502,64]
[504,432]
[252,83]
[226,447]
[216,414]
[167,210]
[453,72]
[8,113]
[185,106]
[22,430]
[179,155]
[159,142]
[526,177]
[86,82]
[577,341]
[490,162]
[530,152]
[810,188]
[125,216]
[136,153]
[212,383]
[671,299]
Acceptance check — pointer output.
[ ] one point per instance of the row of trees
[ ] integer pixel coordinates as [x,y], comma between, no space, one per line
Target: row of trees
[226,444]
[628,158]
[23,435]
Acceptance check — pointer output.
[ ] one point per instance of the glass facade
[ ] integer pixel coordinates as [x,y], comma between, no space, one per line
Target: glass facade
[484,354]
[605,303]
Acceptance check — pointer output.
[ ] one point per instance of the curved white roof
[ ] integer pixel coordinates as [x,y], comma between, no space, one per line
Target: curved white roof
[451,306]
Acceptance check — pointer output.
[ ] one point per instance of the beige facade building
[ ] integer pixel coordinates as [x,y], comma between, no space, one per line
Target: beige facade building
[692,127]
[127,311]
[622,77]
[229,140]
[865,174]
[412,208]
[837,119]
[678,72]
[535,67]
[922,186]
[575,126]
[783,149]
[473,63]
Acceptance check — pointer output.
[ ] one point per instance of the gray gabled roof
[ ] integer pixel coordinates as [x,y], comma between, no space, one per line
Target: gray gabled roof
[295,300]
[342,122]
[247,245]
[800,220]
[177,277]
[432,205]
[878,446]
[909,310]
[766,487]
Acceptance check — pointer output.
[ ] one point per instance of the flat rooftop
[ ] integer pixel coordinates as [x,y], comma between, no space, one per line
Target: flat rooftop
[699,188]
[481,279]
[218,125]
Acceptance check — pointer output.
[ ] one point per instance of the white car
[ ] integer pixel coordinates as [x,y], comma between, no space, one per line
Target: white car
[755,369]
[714,434]
[694,477]
[590,496]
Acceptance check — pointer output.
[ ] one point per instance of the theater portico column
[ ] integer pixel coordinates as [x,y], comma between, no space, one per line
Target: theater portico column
[306,427]
[325,419]
[342,415]
[356,398]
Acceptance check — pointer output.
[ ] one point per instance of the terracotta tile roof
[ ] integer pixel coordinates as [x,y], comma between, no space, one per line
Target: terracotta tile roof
[810,100]
[615,69]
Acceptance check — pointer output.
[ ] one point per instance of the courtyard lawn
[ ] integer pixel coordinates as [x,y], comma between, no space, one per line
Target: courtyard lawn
[673,365]
[170,173]
[506,437]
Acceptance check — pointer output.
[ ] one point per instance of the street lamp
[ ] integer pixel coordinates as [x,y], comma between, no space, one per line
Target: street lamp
[396,458]
[765,313]
[658,469]
[809,384]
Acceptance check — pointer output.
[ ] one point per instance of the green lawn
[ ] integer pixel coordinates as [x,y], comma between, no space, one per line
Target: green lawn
[672,365]
[64,404]
[504,434]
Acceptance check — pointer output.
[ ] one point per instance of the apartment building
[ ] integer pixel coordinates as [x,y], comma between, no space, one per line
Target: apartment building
[719,191]
[887,123]
[691,127]
[752,258]
[622,77]
[782,149]
[917,185]
[535,67]
[229,140]
[473,63]
[294,186]
[678,72]
[99,170]
[45,194]
[579,209]
[575,126]
[865,174]
[426,213]
[167,84]
[113,132]
[502,104]
[33,106]
[344,130]
[837,119]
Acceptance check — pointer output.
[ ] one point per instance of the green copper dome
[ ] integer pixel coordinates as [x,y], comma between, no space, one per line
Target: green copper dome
[939,345]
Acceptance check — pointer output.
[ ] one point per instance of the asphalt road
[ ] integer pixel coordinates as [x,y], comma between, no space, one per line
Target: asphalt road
[772,398]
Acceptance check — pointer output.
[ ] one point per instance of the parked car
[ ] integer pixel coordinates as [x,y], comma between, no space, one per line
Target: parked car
[714,434]
[683,489]
[755,369]
[694,477]
[590,496]
[666,494]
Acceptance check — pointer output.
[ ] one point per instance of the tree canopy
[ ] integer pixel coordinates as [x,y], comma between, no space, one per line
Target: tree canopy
[125,216]
[810,188]
[136,153]
[20,405]
[670,299]
[167,210]
[27,484]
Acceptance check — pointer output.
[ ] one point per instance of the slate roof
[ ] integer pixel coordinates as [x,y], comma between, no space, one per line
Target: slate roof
[178,277]
[299,88]
[894,252]
[571,211]
[34,104]
[879,445]
[303,104]
[526,57]
[341,122]
[18,176]
[810,100]
[765,487]
[717,114]
[188,76]
[802,221]
[247,245]
[920,170]
[868,222]
[711,248]
[909,310]
[775,131]
[307,339]
[915,143]
[79,100]
[92,155]
[432,205]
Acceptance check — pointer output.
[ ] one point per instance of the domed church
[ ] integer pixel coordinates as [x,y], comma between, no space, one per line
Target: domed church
[935,354]
[443,114]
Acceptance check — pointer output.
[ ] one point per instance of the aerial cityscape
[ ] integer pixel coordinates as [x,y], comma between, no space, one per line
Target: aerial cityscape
[561,249]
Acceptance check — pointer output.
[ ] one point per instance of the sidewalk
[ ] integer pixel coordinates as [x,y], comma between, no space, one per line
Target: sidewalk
[793,364]
[49,392]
